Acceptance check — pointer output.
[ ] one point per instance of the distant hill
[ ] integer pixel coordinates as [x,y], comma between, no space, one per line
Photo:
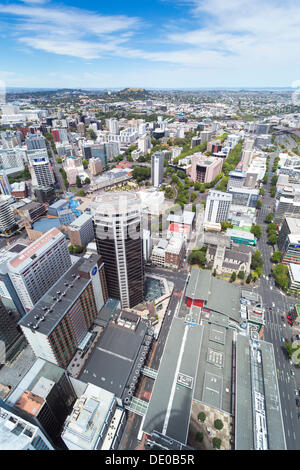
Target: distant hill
[133,93]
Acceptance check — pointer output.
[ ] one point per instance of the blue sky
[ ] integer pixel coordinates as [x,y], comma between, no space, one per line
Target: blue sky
[150,43]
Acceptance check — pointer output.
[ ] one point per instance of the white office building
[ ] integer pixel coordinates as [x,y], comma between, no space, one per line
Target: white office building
[18,434]
[36,268]
[157,168]
[217,206]
[7,219]
[41,170]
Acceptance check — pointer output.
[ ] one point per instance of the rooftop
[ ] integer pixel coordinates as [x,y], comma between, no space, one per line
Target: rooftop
[35,250]
[113,362]
[49,310]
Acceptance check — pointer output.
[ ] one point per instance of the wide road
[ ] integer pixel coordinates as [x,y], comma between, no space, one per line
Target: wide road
[276,329]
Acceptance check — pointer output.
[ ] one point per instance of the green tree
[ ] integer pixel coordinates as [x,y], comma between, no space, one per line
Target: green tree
[197,257]
[249,278]
[272,228]
[87,180]
[276,257]
[226,225]
[257,261]
[281,274]
[201,416]
[199,436]
[241,275]
[233,277]
[258,204]
[257,231]
[193,196]
[262,191]
[216,443]
[85,164]
[78,182]
[81,193]
[59,160]
[273,191]
[269,218]
[272,239]
[218,424]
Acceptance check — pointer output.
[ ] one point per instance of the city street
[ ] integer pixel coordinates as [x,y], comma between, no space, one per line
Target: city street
[276,328]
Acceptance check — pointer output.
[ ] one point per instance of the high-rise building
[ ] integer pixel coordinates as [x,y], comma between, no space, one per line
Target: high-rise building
[60,135]
[96,422]
[11,159]
[8,293]
[42,173]
[205,169]
[157,168]
[36,268]
[19,434]
[9,332]
[144,144]
[4,184]
[95,166]
[217,206]
[244,196]
[35,142]
[118,234]
[81,230]
[7,219]
[45,397]
[60,320]
[113,126]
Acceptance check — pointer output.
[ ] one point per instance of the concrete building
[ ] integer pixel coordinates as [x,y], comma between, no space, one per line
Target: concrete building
[294,272]
[168,253]
[18,434]
[5,187]
[42,173]
[243,196]
[157,168]
[35,142]
[59,322]
[10,334]
[8,293]
[205,169]
[95,166]
[45,396]
[7,219]
[81,230]
[118,233]
[236,179]
[217,206]
[96,422]
[19,190]
[36,268]
[144,144]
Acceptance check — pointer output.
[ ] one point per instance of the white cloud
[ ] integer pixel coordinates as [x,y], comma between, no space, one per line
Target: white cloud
[70,31]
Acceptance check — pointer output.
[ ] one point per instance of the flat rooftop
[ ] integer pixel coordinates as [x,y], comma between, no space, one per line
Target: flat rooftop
[170,404]
[52,306]
[35,249]
[113,361]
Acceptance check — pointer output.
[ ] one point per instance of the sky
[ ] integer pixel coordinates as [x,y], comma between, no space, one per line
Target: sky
[150,43]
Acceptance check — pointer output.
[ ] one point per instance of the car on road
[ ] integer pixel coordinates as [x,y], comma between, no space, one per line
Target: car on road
[292,372]
[286,340]
[282,339]
[297,393]
[297,402]
[298,416]
[284,325]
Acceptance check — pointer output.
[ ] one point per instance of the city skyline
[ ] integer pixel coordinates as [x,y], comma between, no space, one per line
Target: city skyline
[162,44]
